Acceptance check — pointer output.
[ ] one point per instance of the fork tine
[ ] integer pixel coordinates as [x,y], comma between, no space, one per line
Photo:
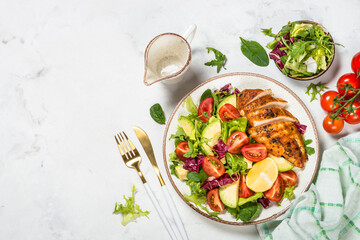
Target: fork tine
[126,153]
[127,147]
[130,143]
[119,146]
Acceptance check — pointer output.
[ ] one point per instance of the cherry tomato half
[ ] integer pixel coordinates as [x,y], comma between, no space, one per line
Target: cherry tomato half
[355,64]
[244,191]
[354,117]
[181,149]
[276,192]
[327,103]
[206,105]
[349,78]
[236,141]
[213,166]
[254,152]
[214,201]
[333,127]
[289,178]
[228,112]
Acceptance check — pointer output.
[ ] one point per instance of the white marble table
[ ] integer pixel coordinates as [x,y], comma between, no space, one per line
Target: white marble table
[71,77]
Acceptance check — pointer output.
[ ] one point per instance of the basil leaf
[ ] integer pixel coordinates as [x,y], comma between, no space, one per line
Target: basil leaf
[157,114]
[206,94]
[254,52]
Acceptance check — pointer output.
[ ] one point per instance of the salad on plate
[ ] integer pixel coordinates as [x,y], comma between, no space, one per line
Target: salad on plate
[237,151]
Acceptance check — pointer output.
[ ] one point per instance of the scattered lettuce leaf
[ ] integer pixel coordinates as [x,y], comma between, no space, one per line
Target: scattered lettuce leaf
[130,211]
[219,61]
[315,89]
[268,32]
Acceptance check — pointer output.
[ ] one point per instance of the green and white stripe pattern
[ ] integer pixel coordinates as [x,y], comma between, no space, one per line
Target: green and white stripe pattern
[330,209]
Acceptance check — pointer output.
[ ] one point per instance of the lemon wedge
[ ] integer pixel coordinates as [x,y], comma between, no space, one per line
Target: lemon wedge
[262,175]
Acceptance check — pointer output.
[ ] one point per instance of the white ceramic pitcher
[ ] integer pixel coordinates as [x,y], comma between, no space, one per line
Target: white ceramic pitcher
[167,57]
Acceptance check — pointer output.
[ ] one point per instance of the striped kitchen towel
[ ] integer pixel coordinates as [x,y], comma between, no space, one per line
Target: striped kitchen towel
[330,209]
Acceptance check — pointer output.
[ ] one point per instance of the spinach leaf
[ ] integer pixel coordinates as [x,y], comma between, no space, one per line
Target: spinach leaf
[157,114]
[249,211]
[254,52]
[219,61]
[206,94]
[197,177]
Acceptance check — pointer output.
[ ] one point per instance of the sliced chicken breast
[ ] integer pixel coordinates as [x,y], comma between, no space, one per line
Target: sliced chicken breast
[247,96]
[282,139]
[262,103]
[261,117]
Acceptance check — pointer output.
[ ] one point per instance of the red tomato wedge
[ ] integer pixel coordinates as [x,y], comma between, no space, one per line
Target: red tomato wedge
[254,152]
[206,106]
[289,178]
[228,112]
[244,191]
[236,141]
[181,149]
[214,201]
[213,166]
[276,192]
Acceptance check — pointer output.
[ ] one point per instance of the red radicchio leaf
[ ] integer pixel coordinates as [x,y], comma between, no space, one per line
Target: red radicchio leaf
[221,148]
[212,182]
[264,202]
[301,127]
[193,164]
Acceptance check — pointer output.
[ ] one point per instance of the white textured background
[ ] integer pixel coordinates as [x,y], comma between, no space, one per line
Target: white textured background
[71,77]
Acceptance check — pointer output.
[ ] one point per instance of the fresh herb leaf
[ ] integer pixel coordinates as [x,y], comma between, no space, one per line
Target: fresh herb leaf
[268,32]
[157,113]
[315,89]
[179,136]
[309,150]
[130,211]
[249,211]
[219,61]
[197,177]
[254,52]
[206,94]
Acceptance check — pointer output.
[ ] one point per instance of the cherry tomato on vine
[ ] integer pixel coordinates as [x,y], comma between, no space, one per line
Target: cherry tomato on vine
[349,78]
[333,126]
[355,64]
[326,101]
[354,117]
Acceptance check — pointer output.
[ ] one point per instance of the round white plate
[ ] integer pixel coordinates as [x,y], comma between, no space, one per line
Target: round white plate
[247,81]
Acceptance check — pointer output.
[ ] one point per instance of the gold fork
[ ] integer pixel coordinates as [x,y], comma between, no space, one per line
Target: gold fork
[132,159]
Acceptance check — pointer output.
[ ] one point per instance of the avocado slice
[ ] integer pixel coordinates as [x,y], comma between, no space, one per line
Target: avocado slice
[230,100]
[211,132]
[229,194]
[181,172]
[282,164]
[188,127]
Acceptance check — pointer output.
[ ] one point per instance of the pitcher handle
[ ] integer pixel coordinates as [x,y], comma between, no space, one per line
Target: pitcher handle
[190,33]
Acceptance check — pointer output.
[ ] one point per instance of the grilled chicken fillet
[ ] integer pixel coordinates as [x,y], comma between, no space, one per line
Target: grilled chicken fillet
[282,139]
[261,103]
[246,96]
[261,117]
